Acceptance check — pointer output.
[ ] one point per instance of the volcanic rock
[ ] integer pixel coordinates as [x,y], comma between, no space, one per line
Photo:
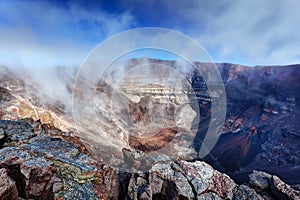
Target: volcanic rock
[267,184]
[186,180]
[34,176]
[244,192]
[282,190]
[259,180]
[44,167]
[43,158]
[8,188]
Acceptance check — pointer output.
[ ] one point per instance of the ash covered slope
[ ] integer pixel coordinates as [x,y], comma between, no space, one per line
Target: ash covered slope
[263,120]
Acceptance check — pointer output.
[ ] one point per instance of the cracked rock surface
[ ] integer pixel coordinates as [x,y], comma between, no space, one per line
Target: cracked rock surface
[35,164]
[186,180]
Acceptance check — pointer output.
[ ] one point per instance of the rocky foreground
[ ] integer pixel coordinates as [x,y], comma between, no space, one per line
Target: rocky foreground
[41,162]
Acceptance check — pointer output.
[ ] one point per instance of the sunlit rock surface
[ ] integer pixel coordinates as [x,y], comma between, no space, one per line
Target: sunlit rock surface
[47,167]
[261,132]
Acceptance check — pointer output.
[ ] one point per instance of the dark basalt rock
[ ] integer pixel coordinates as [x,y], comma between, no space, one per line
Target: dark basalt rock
[262,129]
[14,133]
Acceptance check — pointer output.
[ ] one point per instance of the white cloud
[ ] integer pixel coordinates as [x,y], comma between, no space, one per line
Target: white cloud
[247,31]
[36,37]
[254,32]
[44,34]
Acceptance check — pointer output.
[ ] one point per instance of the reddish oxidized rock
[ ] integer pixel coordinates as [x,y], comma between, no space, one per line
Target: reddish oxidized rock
[34,176]
[8,188]
[222,185]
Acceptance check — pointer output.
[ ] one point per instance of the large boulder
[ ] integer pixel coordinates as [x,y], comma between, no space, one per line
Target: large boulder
[186,180]
[267,184]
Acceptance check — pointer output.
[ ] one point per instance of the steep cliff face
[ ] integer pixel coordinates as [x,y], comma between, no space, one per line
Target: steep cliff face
[262,127]
[135,119]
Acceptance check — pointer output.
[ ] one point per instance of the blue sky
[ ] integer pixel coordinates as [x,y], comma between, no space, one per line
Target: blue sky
[251,32]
